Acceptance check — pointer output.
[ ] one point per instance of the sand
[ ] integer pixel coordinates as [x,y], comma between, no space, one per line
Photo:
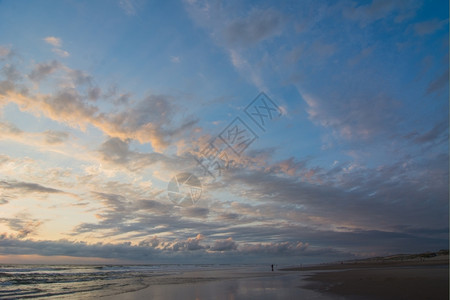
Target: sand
[414,279]
[356,280]
[384,283]
[227,285]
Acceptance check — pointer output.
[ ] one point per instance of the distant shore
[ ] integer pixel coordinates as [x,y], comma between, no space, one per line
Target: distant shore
[393,278]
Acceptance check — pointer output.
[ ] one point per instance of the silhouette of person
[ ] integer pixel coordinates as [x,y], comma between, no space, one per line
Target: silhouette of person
[272,268]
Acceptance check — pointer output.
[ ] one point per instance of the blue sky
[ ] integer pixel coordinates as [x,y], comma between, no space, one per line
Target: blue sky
[102,103]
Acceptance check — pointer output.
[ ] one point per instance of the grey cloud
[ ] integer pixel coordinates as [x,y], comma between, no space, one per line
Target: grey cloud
[55,137]
[80,78]
[229,216]
[11,73]
[6,86]
[6,53]
[68,102]
[22,224]
[28,187]
[113,201]
[123,99]
[12,78]
[436,132]
[259,25]
[152,118]
[115,150]
[351,195]
[153,250]
[196,212]
[275,248]
[118,152]
[190,244]
[380,9]
[439,83]
[153,205]
[94,93]
[42,70]
[358,115]
[224,245]
[153,242]
[9,129]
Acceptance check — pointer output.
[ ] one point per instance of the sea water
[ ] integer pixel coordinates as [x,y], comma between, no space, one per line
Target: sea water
[81,281]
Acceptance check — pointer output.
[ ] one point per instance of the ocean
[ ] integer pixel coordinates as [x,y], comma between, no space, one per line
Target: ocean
[83,281]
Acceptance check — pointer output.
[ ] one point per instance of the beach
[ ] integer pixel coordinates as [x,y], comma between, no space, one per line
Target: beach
[382,279]
[368,279]
[394,279]
[385,283]
[233,283]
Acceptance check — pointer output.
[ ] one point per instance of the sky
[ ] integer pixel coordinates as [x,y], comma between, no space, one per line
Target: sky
[195,131]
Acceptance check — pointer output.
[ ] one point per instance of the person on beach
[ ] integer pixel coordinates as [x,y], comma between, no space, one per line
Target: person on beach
[272,268]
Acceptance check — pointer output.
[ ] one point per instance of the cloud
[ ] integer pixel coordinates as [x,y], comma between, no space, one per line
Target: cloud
[277,248]
[5,52]
[433,134]
[54,41]
[257,26]
[241,64]
[130,7]
[8,129]
[57,43]
[55,137]
[360,115]
[42,70]
[175,59]
[27,187]
[22,224]
[289,166]
[151,120]
[191,244]
[224,245]
[429,27]
[11,73]
[379,9]
[196,212]
[357,197]
[117,152]
[439,83]
[61,52]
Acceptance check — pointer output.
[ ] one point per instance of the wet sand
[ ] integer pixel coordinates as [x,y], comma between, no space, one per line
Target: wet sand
[363,280]
[226,285]
[385,283]
[412,280]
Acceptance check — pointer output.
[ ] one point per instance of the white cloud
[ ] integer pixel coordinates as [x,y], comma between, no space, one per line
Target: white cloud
[54,41]
[61,52]
[129,6]
[175,59]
